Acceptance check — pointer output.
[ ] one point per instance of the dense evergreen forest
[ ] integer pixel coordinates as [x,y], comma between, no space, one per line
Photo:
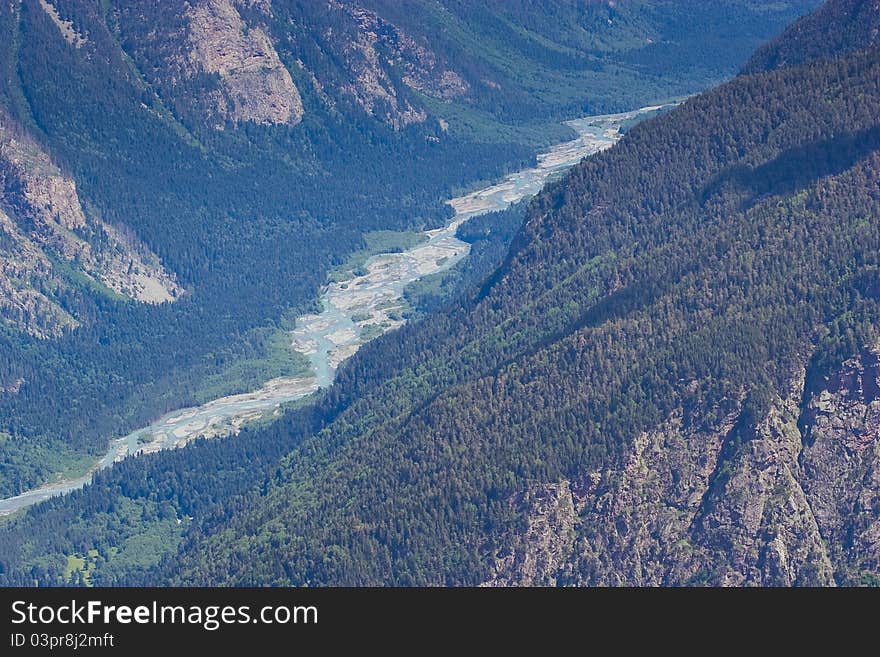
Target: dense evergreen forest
[211,211]
[691,267]
[688,272]
[840,27]
[250,215]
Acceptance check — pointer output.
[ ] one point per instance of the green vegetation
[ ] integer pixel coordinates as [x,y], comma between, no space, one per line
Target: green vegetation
[77,568]
[270,355]
[836,28]
[53,465]
[145,548]
[480,126]
[647,281]
[250,222]
[142,531]
[489,236]
[81,279]
[375,243]
[255,216]
[671,271]
[636,289]
[629,124]
[576,58]
[371,331]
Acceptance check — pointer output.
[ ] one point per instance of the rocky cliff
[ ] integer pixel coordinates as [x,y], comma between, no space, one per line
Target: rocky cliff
[380,50]
[789,499]
[840,464]
[226,62]
[254,84]
[43,224]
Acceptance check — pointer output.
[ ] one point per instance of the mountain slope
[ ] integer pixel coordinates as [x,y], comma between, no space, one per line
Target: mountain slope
[43,218]
[248,198]
[836,29]
[670,381]
[225,154]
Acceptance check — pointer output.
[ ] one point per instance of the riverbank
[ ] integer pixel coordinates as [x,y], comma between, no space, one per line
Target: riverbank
[354,311]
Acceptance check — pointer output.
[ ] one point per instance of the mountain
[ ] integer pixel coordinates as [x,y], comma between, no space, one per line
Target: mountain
[176,179]
[51,223]
[836,29]
[665,379]
[672,379]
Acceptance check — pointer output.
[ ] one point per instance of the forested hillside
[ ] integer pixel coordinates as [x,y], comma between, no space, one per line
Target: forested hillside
[224,154]
[837,28]
[672,379]
[667,378]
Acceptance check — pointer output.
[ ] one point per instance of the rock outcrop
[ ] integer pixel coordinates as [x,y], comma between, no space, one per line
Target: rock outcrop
[42,223]
[756,526]
[24,271]
[547,541]
[792,498]
[841,464]
[210,66]
[371,87]
[66,27]
[254,84]
[221,63]
[371,84]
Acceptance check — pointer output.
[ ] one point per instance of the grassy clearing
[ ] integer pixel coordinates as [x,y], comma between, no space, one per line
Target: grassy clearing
[268,354]
[482,127]
[77,565]
[154,531]
[83,280]
[376,242]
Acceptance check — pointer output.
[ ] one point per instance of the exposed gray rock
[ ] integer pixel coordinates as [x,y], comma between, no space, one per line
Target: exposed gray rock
[630,522]
[23,267]
[371,86]
[792,498]
[66,27]
[422,70]
[841,464]
[221,63]
[41,218]
[255,85]
[756,526]
[547,541]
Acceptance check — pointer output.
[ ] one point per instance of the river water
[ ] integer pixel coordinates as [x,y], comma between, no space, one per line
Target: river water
[353,312]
